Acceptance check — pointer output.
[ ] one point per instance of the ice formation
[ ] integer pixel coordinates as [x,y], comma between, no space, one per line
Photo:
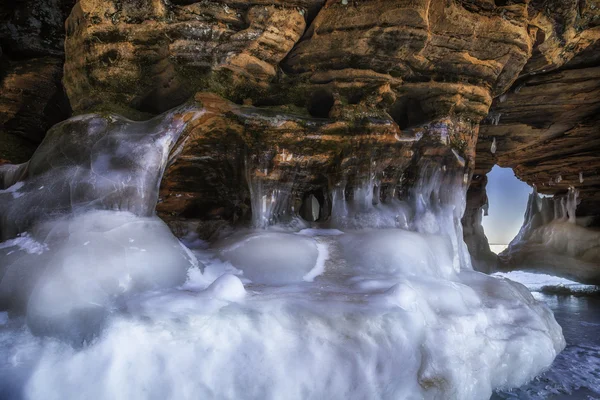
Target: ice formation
[388,318]
[383,304]
[552,240]
[81,224]
[494,147]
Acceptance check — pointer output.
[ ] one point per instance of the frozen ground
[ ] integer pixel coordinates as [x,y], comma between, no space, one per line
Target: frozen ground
[543,282]
[388,317]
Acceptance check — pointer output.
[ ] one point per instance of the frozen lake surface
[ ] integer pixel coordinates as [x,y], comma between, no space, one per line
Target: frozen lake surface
[575,374]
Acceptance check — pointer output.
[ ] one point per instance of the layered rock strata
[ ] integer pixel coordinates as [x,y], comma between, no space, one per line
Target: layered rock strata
[32,98]
[310,94]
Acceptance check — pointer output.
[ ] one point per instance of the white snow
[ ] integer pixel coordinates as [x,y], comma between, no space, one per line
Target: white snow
[319,267]
[364,329]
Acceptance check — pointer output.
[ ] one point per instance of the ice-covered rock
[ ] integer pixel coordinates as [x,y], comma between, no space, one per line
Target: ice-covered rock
[90,162]
[551,240]
[80,224]
[388,309]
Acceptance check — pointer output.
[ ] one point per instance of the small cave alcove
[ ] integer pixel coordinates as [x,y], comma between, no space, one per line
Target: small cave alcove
[408,112]
[320,103]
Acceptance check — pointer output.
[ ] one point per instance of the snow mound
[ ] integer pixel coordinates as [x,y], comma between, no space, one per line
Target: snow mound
[358,331]
[271,257]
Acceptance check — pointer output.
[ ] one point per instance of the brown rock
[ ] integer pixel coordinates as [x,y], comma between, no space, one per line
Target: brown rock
[234,149]
[549,132]
[31,101]
[439,55]
[154,55]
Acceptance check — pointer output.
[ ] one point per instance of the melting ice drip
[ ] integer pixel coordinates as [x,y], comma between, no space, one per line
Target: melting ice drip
[366,313]
[366,209]
[544,210]
[434,207]
[271,201]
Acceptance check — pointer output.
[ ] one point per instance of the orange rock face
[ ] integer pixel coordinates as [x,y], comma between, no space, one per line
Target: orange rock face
[149,56]
[232,150]
[319,92]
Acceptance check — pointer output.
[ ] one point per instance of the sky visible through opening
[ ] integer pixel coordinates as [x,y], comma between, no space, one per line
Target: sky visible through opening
[507,197]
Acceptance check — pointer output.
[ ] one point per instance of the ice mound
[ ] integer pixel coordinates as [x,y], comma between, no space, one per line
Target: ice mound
[552,241]
[399,335]
[273,258]
[79,226]
[90,261]
[270,314]
[380,252]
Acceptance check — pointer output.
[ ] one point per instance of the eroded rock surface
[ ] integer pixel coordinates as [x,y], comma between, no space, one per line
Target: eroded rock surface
[547,125]
[149,56]
[232,150]
[32,98]
[303,96]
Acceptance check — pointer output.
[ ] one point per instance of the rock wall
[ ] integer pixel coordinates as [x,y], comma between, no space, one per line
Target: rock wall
[32,98]
[425,72]
[547,125]
[312,94]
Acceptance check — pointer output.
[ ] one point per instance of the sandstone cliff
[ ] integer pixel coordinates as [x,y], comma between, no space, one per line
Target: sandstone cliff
[304,96]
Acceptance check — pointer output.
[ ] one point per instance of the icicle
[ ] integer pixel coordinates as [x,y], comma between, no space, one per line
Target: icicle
[461,161]
[494,118]
[494,147]
[502,98]
[572,201]
[581,177]
[558,178]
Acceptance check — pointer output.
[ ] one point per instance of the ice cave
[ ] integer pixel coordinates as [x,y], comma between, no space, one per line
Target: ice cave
[291,199]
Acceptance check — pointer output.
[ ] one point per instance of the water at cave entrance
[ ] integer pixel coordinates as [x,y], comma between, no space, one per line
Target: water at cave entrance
[575,374]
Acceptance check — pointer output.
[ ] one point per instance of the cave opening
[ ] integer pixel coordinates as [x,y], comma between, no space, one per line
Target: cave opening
[408,112]
[311,208]
[507,201]
[320,103]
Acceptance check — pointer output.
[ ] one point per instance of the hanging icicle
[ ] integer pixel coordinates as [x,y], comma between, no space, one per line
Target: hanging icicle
[494,146]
